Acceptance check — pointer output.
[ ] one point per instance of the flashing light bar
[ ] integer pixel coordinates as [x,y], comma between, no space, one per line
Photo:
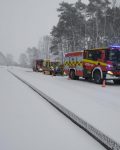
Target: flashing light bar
[114,46]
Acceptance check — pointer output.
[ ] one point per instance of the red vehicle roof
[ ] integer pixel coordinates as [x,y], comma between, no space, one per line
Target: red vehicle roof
[74,54]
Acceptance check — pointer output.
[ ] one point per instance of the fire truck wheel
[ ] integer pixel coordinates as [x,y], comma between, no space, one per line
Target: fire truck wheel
[88,78]
[97,77]
[72,74]
[77,77]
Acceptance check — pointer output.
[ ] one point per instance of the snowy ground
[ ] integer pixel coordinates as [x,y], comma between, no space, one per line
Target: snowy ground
[27,122]
[97,105]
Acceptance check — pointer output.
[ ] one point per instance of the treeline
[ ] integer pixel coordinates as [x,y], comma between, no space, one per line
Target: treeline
[33,53]
[26,59]
[7,60]
[2,59]
[82,26]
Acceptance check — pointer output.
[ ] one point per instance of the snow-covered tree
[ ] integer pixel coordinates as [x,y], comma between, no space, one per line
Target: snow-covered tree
[10,60]
[32,54]
[2,59]
[91,25]
[23,60]
[44,47]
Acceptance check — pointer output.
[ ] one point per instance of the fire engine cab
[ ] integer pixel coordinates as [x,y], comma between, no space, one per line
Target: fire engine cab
[96,64]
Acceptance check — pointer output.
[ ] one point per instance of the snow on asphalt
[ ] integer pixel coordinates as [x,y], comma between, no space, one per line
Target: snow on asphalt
[97,105]
[27,122]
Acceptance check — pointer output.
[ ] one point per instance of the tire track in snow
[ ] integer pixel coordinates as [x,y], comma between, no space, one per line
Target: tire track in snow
[99,136]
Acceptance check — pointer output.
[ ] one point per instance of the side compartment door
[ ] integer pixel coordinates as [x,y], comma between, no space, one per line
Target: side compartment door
[79,64]
[66,65]
[88,63]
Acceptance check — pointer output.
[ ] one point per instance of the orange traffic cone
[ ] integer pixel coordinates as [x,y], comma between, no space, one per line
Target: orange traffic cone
[104,83]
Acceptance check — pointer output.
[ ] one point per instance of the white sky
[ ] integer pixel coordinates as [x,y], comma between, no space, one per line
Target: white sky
[24,22]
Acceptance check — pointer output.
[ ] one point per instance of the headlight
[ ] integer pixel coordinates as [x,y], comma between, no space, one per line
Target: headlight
[110,72]
[40,69]
[64,73]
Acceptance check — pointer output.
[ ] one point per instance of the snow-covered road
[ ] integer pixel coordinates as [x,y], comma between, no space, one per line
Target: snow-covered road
[97,105]
[27,122]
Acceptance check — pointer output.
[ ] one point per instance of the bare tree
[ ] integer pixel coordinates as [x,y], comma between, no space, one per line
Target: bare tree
[32,54]
[2,59]
[44,47]
[10,60]
[23,60]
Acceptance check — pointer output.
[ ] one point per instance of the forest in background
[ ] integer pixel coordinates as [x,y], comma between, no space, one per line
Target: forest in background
[85,26]
[80,26]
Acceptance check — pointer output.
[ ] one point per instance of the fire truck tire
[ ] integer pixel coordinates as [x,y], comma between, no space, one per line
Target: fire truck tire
[87,78]
[116,82]
[97,77]
[72,74]
[50,72]
[77,77]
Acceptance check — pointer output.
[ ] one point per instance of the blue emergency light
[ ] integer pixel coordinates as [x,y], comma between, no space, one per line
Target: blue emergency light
[115,46]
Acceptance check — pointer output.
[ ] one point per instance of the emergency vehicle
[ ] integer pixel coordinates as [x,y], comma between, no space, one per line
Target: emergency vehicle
[51,67]
[95,64]
[48,67]
[38,65]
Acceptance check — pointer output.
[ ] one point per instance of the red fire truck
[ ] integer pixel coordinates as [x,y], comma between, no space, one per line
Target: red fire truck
[96,64]
[47,66]
[38,65]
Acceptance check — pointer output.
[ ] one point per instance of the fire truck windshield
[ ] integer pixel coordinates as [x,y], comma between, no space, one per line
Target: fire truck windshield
[113,55]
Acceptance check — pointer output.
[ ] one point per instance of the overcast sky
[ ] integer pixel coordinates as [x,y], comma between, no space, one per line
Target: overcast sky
[24,22]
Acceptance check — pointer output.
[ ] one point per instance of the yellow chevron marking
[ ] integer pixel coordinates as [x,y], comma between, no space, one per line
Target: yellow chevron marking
[73,63]
[94,62]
